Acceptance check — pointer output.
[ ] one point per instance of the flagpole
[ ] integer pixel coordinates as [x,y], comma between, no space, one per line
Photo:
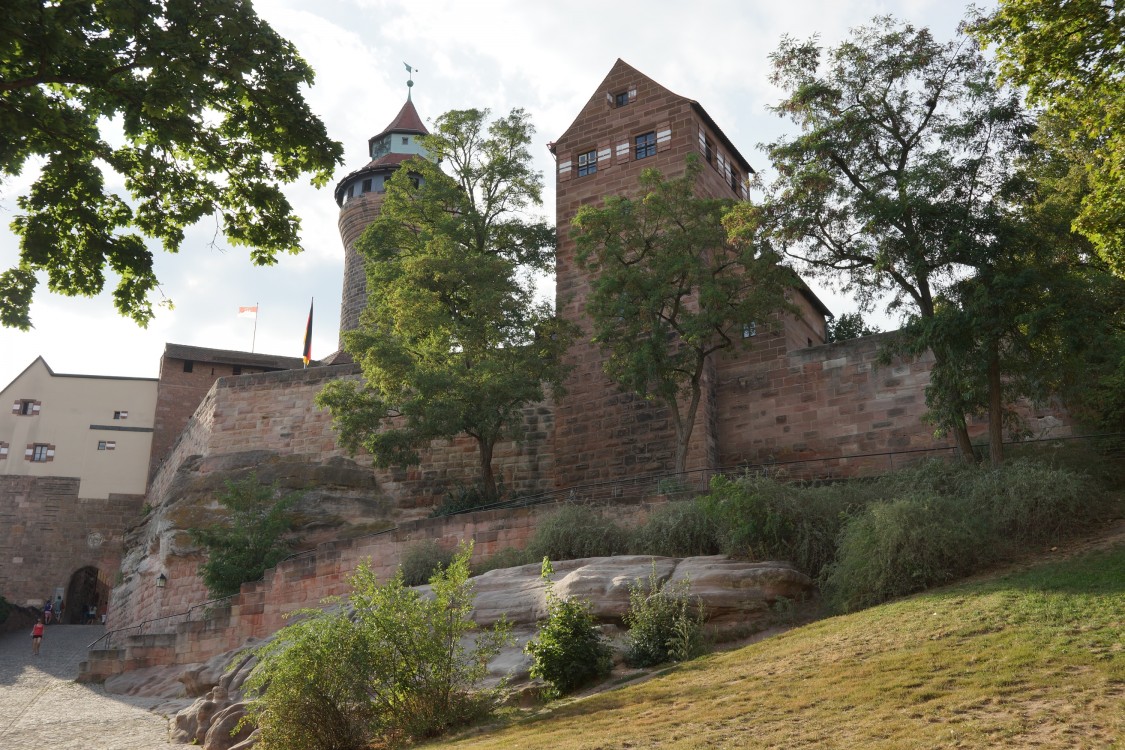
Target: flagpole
[254,337]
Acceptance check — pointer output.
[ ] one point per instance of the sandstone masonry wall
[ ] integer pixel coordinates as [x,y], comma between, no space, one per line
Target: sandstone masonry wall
[304,580]
[603,432]
[50,533]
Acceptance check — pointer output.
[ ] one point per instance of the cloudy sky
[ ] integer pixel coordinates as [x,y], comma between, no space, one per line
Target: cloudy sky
[546,57]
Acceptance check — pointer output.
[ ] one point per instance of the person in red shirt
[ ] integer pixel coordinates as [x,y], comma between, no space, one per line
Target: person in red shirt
[36,636]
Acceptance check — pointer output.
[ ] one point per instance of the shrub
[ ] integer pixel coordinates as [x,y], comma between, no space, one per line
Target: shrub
[421,560]
[509,557]
[679,529]
[905,545]
[577,531]
[397,670]
[311,684]
[464,498]
[935,522]
[663,623]
[249,542]
[568,652]
[762,518]
[5,609]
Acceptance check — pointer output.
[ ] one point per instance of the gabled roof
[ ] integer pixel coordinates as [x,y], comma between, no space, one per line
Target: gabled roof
[622,66]
[54,374]
[406,121]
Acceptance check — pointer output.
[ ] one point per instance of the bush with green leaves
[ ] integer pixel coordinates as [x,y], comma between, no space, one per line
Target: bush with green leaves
[576,531]
[397,669]
[508,557]
[421,560]
[468,497]
[935,522]
[251,539]
[665,623]
[569,651]
[762,518]
[679,529]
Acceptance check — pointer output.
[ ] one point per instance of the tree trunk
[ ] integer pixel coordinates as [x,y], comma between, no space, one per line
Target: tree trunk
[487,479]
[995,407]
[958,428]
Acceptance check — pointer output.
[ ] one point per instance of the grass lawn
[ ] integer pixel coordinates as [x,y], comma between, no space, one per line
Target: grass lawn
[1034,659]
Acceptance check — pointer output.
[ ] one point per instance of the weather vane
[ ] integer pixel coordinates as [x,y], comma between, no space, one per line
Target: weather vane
[409,80]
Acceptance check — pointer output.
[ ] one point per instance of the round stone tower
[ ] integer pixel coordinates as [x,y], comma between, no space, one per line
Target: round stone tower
[360,197]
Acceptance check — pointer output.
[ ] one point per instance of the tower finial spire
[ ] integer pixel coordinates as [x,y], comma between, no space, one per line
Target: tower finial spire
[409,80]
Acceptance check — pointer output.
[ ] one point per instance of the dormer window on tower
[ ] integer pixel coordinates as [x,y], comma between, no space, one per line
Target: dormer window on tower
[380,147]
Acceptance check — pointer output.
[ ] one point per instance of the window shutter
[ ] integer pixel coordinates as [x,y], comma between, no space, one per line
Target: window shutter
[565,170]
[632,94]
[30,452]
[3,451]
[663,136]
[16,408]
[623,151]
[605,153]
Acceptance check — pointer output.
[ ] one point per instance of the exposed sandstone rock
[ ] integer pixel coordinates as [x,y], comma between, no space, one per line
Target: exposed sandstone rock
[734,592]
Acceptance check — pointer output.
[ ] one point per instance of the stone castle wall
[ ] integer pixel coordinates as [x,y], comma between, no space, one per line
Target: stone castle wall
[49,533]
[262,419]
[304,581]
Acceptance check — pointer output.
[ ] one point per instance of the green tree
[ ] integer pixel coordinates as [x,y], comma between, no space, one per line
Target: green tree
[400,667]
[198,109]
[850,325]
[452,340]
[671,290]
[897,183]
[251,539]
[1071,58]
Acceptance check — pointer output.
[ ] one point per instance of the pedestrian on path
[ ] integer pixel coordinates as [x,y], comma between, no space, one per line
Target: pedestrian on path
[36,636]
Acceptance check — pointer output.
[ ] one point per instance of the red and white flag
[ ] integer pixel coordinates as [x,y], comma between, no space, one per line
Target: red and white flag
[248,312]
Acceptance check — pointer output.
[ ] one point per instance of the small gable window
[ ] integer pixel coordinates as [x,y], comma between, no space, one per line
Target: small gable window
[621,99]
[735,180]
[27,408]
[120,415]
[749,330]
[188,365]
[587,163]
[41,452]
[644,145]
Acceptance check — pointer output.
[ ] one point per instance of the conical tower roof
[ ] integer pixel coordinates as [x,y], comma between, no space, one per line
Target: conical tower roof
[406,121]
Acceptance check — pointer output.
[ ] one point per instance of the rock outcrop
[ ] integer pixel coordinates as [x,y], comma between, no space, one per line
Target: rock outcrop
[737,596]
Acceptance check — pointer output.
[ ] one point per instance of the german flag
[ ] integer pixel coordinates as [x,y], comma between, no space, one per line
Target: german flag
[307,355]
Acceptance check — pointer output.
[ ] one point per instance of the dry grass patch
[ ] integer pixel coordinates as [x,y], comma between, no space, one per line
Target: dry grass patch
[1035,659]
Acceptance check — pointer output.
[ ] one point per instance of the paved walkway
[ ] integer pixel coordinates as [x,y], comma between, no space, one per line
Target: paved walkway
[42,708]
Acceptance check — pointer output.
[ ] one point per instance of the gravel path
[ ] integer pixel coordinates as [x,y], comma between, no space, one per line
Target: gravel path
[42,707]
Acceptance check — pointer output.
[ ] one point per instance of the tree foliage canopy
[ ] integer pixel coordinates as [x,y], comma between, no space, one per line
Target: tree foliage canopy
[452,341]
[670,288]
[901,180]
[196,107]
[1071,58]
